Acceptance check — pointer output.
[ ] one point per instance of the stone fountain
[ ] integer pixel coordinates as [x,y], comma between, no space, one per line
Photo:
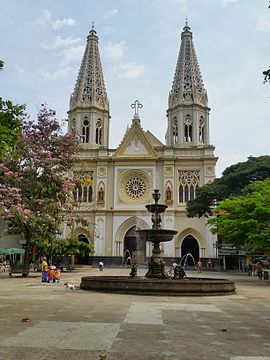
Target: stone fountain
[156,280]
[156,235]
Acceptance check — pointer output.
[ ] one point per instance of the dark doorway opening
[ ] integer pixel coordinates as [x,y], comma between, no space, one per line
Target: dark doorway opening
[82,260]
[135,246]
[190,246]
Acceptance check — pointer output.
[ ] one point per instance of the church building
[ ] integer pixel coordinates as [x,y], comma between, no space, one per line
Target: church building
[116,184]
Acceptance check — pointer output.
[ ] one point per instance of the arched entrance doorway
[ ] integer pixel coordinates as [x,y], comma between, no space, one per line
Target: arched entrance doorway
[190,246]
[83,260]
[135,246]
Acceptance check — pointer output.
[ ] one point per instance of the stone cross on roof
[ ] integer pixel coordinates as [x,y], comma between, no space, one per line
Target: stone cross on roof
[136,106]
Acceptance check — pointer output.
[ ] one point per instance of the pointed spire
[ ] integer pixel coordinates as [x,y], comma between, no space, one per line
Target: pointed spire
[90,87]
[188,87]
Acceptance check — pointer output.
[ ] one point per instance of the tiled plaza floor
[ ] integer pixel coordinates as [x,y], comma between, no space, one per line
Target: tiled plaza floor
[89,325]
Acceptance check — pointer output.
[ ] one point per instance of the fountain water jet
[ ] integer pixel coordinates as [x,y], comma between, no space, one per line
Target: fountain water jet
[156,280]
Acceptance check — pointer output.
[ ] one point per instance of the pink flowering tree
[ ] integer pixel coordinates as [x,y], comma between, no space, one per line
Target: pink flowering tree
[35,188]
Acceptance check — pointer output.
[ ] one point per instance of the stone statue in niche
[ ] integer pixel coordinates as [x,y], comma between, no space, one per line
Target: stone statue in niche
[101,194]
[168,195]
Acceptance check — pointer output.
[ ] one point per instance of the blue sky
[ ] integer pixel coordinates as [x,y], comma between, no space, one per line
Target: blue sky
[42,43]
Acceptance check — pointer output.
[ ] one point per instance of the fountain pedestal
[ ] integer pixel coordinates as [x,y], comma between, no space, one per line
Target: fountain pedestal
[156,235]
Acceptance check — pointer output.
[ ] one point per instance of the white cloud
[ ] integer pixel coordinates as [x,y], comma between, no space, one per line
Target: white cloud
[57,24]
[130,70]
[59,41]
[115,51]
[57,75]
[46,19]
[111,13]
[73,53]
[108,30]
[227,2]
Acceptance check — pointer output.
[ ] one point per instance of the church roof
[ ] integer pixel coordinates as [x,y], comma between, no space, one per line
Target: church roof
[188,87]
[90,89]
[136,143]
[153,139]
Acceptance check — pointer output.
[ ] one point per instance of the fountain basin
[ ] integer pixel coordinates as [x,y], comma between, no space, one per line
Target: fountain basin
[156,235]
[164,287]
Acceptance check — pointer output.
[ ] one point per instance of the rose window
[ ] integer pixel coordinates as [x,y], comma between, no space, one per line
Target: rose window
[135,188]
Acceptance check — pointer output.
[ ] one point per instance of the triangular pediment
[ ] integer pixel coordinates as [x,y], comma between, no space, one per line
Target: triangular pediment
[135,144]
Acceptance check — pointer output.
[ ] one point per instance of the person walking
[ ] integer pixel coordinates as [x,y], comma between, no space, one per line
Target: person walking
[199,265]
[209,264]
[44,270]
[259,270]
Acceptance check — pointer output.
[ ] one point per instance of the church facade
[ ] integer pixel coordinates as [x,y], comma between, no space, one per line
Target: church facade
[114,185]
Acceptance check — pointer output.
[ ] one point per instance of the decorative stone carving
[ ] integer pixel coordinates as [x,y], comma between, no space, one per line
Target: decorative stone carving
[101,171]
[209,170]
[135,187]
[135,147]
[168,170]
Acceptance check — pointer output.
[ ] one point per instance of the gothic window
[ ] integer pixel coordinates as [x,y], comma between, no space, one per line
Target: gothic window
[202,130]
[181,194]
[83,191]
[73,124]
[188,128]
[99,132]
[85,131]
[175,130]
[188,185]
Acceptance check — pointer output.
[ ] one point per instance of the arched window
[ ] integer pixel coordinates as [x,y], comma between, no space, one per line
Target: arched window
[188,184]
[83,191]
[202,130]
[175,131]
[85,131]
[85,194]
[73,124]
[188,128]
[99,132]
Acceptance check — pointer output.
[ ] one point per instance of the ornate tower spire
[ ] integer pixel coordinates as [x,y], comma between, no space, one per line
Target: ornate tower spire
[188,112]
[187,85]
[89,106]
[90,87]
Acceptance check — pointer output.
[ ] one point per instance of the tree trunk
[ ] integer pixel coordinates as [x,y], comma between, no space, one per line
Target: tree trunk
[26,259]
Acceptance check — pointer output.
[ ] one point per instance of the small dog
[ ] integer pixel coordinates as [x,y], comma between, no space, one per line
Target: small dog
[69,287]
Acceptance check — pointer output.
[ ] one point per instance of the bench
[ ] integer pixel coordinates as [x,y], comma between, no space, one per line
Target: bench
[16,269]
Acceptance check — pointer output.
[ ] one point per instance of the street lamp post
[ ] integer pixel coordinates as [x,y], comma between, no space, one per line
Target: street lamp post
[216,246]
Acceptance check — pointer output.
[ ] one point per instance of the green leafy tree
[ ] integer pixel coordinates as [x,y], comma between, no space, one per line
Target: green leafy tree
[233,181]
[11,120]
[55,249]
[244,221]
